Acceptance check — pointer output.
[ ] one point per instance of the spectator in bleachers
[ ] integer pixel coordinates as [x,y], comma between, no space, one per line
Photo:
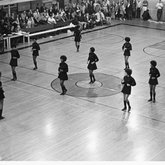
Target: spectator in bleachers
[1,43]
[96,5]
[51,20]
[74,7]
[47,13]
[129,10]
[134,8]
[117,11]
[73,15]
[44,16]
[24,16]
[89,8]
[144,6]
[30,13]
[159,7]
[50,11]
[82,8]
[89,21]
[63,15]
[112,9]
[67,11]
[138,8]
[42,8]
[104,6]
[2,13]
[59,17]
[100,18]
[4,26]
[36,16]
[88,13]
[108,4]
[13,23]
[18,22]
[30,22]
[146,15]
[122,11]
[81,19]
[55,9]
[37,7]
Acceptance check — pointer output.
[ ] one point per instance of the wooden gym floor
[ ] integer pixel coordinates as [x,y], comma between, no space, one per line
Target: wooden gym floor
[87,124]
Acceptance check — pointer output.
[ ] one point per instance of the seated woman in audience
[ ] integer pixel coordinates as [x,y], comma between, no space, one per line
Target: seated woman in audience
[24,16]
[44,17]
[59,17]
[50,11]
[100,18]
[51,20]
[89,21]
[30,22]
[67,11]
[37,16]
[30,13]
[81,19]
[146,15]
[46,14]
[63,15]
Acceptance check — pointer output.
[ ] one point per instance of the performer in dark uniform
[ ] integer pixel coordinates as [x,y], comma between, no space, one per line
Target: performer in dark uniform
[35,53]
[2,96]
[127,47]
[127,82]
[13,61]
[77,35]
[63,69]
[92,59]
[153,81]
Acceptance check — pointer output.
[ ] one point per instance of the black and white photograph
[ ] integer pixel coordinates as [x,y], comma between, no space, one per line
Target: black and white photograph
[82,81]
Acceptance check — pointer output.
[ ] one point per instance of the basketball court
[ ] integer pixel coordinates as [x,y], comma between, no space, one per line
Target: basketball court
[87,123]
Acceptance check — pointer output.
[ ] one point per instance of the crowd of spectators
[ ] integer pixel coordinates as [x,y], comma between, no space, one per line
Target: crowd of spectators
[88,13]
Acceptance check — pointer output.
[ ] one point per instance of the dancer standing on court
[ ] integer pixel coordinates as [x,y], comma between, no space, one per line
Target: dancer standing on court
[127,47]
[153,81]
[77,35]
[2,96]
[62,70]
[35,53]
[92,59]
[14,61]
[127,82]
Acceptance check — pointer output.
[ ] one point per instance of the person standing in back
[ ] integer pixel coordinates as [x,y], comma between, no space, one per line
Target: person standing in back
[128,81]
[92,59]
[77,35]
[2,96]
[127,47]
[153,80]
[14,61]
[62,73]
[35,53]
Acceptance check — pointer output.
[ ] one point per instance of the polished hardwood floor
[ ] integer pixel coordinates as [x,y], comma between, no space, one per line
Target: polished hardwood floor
[42,125]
